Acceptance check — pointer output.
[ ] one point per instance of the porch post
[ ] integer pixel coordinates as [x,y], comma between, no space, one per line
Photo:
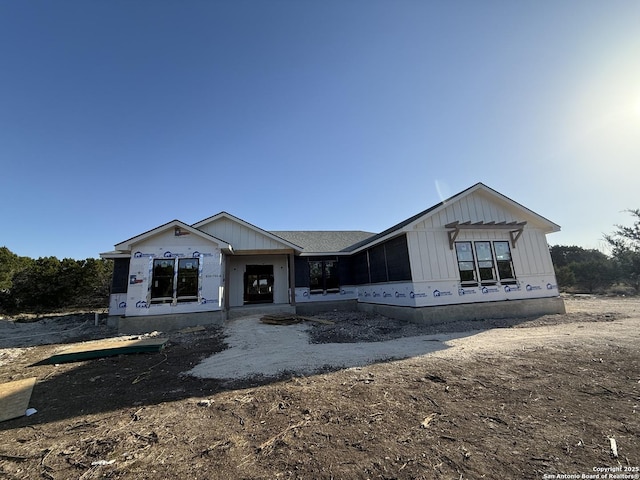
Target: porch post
[227,275]
[292,280]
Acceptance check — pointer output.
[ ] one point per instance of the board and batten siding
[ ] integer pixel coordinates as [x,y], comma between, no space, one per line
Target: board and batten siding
[433,259]
[240,236]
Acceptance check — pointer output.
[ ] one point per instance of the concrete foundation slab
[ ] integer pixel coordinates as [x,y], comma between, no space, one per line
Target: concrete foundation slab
[470,311]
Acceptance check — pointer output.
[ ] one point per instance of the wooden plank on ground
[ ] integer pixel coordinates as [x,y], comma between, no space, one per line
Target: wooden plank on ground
[15,397]
[106,348]
[317,320]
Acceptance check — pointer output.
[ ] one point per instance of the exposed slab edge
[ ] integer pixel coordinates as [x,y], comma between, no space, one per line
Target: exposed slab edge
[470,311]
[167,323]
[260,309]
[311,308]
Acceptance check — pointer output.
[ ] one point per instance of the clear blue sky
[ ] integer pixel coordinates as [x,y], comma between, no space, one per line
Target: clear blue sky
[119,116]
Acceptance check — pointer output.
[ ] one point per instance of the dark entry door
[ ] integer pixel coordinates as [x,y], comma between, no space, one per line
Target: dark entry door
[258,284]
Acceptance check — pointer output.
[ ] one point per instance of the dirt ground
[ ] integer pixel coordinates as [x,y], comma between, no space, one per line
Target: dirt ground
[535,398]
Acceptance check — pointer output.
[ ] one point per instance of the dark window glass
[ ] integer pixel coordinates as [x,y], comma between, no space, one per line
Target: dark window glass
[188,278]
[378,265]
[324,276]
[315,276]
[466,265]
[120,280]
[360,268]
[162,281]
[504,262]
[331,279]
[484,257]
[397,253]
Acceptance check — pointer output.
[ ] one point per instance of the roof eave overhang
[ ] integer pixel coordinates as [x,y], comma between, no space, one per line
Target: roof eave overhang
[113,255]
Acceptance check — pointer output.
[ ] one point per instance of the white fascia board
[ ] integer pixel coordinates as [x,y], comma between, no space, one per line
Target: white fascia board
[112,255]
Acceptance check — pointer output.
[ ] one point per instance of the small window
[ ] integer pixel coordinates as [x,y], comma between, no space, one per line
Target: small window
[504,262]
[466,264]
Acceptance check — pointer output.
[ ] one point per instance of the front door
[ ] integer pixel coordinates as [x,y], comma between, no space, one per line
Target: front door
[258,284]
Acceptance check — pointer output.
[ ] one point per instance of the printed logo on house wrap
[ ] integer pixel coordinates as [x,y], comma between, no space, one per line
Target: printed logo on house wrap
[439,293]
[551,287]
[486,290]
[142,255]
[511,288]
[141,304]
[533,287]
[122,305]
[466,291]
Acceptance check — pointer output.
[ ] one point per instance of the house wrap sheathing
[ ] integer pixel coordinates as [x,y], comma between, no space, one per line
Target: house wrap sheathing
[478,254]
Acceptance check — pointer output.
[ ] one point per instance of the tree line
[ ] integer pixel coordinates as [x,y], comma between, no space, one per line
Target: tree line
[582,270]
[48,284]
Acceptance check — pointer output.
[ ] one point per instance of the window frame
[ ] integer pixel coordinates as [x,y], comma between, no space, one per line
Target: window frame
[178,275]
[508,280]
[494,265]
[324,276]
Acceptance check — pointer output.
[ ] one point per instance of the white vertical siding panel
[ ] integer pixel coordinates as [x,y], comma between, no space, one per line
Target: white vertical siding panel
[466,209]
[415,242]
[432,269]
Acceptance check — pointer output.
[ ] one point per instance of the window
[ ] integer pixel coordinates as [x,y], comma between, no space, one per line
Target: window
[162,282]
[185,272]
[466,264]
[387,262]
[484,263]
[504,262]
[187,288]
[323,276]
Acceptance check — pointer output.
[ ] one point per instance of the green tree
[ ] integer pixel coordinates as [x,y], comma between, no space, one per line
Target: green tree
[625,249]
[10,263]
[587,270]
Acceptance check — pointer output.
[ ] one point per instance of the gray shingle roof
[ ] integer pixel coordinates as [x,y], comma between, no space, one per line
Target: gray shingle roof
[321,241]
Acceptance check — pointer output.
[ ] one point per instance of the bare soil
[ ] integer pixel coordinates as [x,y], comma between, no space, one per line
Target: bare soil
[505,399]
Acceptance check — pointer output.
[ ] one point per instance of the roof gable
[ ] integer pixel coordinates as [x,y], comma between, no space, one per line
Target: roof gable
[179,229]
[495,208]
[243,235]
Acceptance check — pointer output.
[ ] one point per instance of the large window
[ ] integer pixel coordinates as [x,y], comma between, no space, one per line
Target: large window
[386,262]
[175,280]
[323,276]
[484,263]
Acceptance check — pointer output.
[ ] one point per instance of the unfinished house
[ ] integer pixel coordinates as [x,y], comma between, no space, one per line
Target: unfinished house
[478,254]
